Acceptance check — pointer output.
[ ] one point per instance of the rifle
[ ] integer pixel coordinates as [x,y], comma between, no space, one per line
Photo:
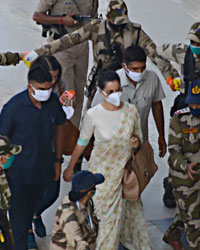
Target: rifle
[91,88]
[61,28]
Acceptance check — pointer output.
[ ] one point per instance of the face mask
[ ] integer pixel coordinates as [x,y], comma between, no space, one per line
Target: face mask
[117,28]
[195,50]
[114,98]
[41,95]
[195,112]
[9,162]
[69,111]
[136,77]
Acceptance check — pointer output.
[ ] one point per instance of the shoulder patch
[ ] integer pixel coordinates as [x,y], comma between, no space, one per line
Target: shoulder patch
[181,112]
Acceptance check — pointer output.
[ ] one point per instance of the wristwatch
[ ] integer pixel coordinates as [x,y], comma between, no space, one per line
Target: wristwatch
[60,160]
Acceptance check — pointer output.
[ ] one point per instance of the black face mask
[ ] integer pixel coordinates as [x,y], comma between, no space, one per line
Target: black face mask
[117,28]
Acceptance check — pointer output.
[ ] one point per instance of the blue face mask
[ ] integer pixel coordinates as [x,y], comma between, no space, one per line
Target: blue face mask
[9,162]
[195,112]
[195,50]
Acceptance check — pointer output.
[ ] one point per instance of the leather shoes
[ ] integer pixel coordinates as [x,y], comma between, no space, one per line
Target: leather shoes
[176,245]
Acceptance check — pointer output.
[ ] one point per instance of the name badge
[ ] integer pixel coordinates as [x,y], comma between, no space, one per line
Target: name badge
[190,130]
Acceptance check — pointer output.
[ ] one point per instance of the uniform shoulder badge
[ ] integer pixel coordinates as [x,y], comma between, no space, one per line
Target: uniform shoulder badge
[181,112]
[196,90]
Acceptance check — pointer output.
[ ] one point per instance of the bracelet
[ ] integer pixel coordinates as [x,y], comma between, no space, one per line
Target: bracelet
[60,160]
[61,20]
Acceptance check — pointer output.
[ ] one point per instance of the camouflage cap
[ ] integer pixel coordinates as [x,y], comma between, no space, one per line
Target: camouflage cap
[193,95]
[194,33]
[118,12]
[6,147]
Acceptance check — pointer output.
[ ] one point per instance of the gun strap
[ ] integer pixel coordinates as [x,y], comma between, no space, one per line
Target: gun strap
[189,68]
[138,36]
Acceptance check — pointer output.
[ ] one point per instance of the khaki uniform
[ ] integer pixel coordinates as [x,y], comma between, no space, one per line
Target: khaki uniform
[9,58]
[95,31]
[174,53]
[184,148]
[74,61]
[72,229]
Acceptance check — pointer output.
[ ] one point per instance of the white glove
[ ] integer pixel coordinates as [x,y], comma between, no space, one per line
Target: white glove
[69,111]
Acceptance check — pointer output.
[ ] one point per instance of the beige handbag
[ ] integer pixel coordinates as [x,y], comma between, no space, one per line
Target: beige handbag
[138,172]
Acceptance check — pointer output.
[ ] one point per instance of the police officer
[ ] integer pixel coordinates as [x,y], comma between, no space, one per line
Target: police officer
[76,225]
[7,155]
[74,61]
[184,172]
[188,58]
[108,37]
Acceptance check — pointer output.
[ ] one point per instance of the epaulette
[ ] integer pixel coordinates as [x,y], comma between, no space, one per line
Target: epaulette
[181,112]
[137,25]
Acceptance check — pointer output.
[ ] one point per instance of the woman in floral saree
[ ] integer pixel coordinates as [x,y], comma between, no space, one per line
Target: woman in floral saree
[116,128]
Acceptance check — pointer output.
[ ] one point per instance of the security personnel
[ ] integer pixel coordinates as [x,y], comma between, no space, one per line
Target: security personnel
[74,61]
[76,225]
[188,58]
[7,154]
[184,172]
[108,36]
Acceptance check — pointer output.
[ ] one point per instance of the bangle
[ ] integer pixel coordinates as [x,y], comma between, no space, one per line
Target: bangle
[61,20]
[60,160]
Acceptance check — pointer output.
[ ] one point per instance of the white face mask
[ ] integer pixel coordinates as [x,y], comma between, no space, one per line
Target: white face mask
[136,77]
[114,98]
[69,111]
[41,95]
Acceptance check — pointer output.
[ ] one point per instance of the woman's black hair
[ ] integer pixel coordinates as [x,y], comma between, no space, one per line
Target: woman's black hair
[134,54]
[107,76]
[41,67]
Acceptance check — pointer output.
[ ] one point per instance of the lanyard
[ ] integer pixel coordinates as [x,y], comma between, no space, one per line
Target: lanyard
[88,217]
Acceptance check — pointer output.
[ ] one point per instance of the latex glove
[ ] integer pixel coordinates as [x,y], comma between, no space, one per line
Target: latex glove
[174,83]
[29,57]
[69,111]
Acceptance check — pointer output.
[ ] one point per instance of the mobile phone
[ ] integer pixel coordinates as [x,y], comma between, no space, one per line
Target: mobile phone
[67,96]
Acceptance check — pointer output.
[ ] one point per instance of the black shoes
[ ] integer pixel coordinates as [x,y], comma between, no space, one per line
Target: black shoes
[168,198]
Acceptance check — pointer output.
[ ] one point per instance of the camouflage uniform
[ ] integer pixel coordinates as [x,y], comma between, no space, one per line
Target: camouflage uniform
[74,61]
[174,53]
[96,32]
[9,58]
[4,205]
[71,229]
[184,148]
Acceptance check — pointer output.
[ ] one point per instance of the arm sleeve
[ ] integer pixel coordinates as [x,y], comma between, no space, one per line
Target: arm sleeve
[176,159]
[9,58]
[6,120]
[44,5]
[61,117]
[71,228]
[166,54]
[87,130]
[159,92]
[69,40]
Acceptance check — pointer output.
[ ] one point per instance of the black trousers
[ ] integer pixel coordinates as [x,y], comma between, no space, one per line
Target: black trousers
[24,200]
